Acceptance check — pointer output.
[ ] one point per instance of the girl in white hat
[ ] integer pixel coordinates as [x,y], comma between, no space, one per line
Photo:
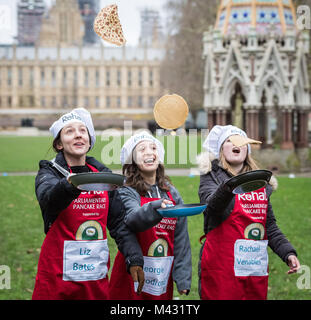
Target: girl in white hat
[164,242]
[74,258]
[233,259]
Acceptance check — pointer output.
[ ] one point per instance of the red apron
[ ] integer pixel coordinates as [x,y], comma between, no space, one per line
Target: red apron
[234,263]
[74,259]
[157,244]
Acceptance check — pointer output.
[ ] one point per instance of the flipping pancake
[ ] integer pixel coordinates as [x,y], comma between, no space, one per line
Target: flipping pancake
[240,141]
[170,111]
[107,25]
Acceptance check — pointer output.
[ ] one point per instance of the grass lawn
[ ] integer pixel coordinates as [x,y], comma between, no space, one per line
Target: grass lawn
[24,153]
[21,232]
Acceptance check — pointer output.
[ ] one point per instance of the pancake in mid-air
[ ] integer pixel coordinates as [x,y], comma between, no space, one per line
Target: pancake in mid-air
[107,25]
[170,111]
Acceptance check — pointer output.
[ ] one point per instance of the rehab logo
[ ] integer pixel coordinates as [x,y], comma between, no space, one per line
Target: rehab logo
[253,196]
[71,116]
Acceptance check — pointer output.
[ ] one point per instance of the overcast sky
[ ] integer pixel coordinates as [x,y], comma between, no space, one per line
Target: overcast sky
[129,13]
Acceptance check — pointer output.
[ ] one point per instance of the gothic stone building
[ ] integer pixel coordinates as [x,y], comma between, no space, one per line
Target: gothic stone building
[60,73]
[39,82]
[256,75]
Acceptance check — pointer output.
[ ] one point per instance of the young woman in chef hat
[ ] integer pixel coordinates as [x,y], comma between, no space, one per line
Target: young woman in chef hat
[233,259]
[164,242]
[74,258]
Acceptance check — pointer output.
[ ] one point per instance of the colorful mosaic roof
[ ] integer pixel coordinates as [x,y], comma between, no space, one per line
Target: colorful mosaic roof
[240,15]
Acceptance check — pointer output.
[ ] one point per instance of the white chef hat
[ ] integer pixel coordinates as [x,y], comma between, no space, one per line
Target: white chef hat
[75,115]
[132,142]
[218,135]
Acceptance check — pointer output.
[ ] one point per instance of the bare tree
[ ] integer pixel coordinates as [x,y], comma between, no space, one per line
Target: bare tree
[183,69]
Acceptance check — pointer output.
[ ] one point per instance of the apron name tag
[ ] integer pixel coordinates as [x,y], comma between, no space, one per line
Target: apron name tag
[85,260]
[157,272]
[250,258]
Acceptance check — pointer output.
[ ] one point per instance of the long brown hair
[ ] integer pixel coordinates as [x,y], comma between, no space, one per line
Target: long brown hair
[248,165]
[56,142]
[135,180]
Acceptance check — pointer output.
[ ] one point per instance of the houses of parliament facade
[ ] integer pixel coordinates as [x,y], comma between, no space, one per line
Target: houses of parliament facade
[60,72]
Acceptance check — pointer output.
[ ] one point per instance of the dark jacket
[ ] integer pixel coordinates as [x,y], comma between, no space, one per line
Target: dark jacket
[220,202]
[140,218]
[55,193]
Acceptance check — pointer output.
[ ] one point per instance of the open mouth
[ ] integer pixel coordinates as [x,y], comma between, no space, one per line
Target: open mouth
[78,144]
[236,150]
[149,160]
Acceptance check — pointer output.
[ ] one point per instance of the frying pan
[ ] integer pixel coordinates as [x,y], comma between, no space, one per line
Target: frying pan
[96,181]
[182,210]
[249,181]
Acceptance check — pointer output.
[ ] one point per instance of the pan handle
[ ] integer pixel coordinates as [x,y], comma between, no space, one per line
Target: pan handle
[60,169]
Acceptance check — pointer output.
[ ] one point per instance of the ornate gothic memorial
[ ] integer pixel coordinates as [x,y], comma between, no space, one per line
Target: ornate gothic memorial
[256,74]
